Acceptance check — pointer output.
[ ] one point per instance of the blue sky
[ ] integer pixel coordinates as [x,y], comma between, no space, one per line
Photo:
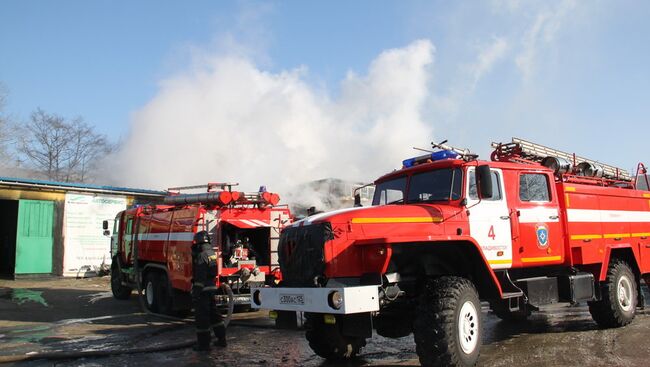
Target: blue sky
[571,74]
[103,59]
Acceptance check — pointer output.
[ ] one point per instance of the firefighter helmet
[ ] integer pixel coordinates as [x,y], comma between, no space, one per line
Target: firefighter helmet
[201,237]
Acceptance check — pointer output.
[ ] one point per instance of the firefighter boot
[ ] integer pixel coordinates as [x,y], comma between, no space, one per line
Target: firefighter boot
[220,334]
[202,341]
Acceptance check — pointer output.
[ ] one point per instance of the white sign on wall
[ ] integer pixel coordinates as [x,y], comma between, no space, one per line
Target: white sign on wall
[85,246]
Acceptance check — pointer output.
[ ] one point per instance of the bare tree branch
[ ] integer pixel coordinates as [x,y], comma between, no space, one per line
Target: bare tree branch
[4,121]
[61,150]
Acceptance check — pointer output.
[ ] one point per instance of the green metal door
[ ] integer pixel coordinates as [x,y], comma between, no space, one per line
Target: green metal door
[34,237]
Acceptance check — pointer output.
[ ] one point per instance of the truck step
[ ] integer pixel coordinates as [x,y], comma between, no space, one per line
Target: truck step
[508,288]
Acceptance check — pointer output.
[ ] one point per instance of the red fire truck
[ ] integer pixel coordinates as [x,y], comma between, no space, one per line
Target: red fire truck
[152,244]
[532,227]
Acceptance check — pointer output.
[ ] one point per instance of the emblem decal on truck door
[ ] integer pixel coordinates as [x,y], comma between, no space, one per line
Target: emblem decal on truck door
[542,236]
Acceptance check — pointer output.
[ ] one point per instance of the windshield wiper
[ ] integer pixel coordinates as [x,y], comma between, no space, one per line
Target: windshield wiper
[426,200]
[395,201]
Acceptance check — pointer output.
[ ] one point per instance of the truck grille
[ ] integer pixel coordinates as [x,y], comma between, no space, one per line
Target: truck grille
[301,253]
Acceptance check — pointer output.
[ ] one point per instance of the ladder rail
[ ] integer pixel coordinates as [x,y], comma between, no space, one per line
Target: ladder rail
[537,152]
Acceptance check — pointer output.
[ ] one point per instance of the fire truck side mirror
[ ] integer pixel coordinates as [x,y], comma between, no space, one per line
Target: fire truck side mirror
[484,181]
[105,225]
[357,200]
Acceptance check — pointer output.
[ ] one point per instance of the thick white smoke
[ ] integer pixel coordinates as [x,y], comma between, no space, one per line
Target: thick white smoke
[228,120]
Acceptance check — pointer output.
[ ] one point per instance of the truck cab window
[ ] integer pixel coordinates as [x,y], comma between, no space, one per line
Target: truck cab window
[496,185]
[129,226]
[534,187]
[390,192]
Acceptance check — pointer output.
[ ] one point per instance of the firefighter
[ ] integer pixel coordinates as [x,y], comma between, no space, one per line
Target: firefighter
[248,246]
[204,270]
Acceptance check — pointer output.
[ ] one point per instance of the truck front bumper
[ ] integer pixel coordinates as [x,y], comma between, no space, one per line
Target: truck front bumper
[341,300]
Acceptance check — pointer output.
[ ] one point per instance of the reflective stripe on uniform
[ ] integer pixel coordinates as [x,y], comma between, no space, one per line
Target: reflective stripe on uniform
[210,288]
[198,284]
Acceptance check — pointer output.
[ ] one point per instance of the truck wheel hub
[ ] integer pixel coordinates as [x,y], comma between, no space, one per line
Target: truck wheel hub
[625,293]
[468,327]
[149,293]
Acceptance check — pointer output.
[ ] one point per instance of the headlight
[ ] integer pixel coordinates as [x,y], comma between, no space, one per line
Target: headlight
[257,297]
[335,299]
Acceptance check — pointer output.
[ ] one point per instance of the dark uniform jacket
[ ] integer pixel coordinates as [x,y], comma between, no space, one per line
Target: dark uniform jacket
[204,267]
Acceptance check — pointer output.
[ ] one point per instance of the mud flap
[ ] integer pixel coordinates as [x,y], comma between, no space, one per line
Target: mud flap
[640,302]
[287,320]
[182,301]
[641,299]
[358,324]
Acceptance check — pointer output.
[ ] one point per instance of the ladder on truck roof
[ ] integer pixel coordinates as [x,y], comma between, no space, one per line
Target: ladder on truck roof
[536,152]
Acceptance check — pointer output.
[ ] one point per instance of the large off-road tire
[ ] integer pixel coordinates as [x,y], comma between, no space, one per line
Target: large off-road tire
[447,327]
[619,297]
[119,290]
[501,310]
[328,342]
[150,289]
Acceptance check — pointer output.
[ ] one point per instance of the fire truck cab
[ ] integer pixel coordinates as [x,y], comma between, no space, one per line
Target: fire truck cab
[151,245]
[532,227]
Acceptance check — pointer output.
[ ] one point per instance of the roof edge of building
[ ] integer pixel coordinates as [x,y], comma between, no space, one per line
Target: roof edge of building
[69,186]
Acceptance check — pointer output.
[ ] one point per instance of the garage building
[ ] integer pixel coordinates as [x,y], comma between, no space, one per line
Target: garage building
[55,228]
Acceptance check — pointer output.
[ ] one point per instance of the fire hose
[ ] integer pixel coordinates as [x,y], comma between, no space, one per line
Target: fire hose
[62,355]
[59,355]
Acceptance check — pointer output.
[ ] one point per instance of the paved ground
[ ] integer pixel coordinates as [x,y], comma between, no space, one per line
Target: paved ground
[80,315]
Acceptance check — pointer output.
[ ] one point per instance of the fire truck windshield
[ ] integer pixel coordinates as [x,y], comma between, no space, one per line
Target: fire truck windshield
[390,192]
[437,185]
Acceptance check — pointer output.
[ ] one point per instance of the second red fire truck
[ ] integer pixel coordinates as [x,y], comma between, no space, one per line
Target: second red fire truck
[533,226]
[151,245]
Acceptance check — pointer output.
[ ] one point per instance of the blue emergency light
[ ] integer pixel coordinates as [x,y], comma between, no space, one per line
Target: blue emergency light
[435,156]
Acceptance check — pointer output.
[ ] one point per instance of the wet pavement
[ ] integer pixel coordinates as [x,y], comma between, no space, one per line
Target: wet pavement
[70,315]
